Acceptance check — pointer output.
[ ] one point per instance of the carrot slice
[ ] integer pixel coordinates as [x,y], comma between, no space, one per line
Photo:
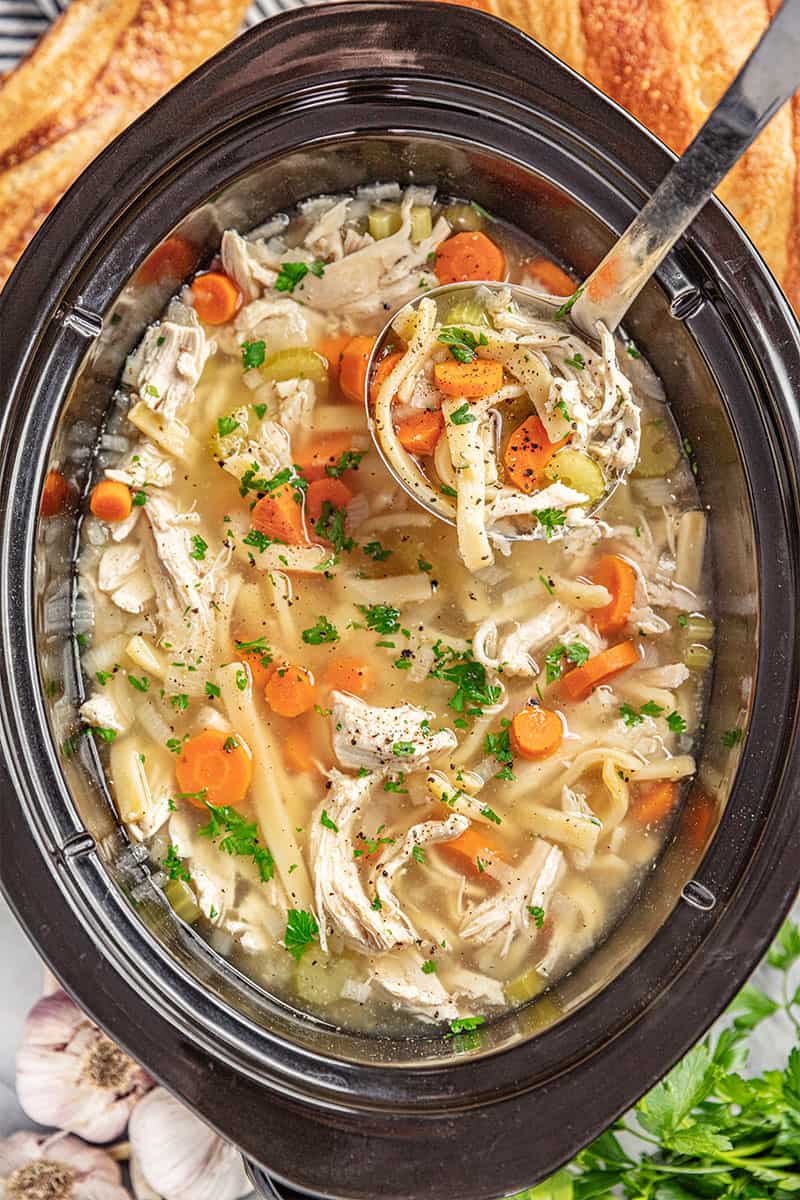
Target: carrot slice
[535,732]
[331,349]
[349,674]
[550,277]
[174,259]
[474,851]
[699,819]
[216,297]
[279,516]
[298,752]
[527,453]
[54,494]
[290,691]
[578,684]
[619,577]
[111,500]
[324,450]
[468,256]
[258,669]
[215,763]
[334,491]
[654,801]
[420,433]
[382,370]
[353,368]
[471,380]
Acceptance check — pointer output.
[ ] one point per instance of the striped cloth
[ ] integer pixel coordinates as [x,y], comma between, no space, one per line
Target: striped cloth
[21,22]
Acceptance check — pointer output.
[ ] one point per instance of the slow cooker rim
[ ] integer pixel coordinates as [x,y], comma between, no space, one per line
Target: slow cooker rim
[389,6]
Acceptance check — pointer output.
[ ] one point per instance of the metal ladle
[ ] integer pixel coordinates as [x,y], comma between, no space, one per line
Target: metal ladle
[769,77]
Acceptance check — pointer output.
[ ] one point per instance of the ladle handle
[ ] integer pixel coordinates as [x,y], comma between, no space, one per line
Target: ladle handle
[767,80]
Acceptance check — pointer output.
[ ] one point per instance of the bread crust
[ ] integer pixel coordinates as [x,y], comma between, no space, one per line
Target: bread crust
[668,62]
[97,69]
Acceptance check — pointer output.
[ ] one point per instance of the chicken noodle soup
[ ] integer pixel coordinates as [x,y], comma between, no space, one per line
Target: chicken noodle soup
[399,771]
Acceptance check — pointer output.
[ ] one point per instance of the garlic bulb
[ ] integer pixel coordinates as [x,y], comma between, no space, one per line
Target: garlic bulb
[56,1167]
[69,1074]
[179,1157]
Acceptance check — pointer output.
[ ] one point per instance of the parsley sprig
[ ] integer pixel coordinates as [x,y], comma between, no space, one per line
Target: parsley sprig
[292,273]
[706,1130]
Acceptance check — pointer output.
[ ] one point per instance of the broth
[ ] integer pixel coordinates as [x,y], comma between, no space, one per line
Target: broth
[394,786]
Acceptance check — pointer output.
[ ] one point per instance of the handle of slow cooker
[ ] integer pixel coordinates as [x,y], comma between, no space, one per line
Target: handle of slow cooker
[268,1188]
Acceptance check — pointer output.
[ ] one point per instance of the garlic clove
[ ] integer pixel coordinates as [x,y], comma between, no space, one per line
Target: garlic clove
[141,1188]
[59,1167]
[69,1074]
[179,1156]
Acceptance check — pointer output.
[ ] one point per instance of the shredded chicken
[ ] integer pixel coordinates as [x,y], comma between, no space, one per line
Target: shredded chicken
[244,261]
[366,735]
[101,712]
[513,652]
[428,833]
[167,363]
[529,885]
[341,901]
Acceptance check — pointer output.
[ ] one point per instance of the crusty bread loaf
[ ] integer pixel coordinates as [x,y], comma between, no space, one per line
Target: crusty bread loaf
[668,62]
[98,67]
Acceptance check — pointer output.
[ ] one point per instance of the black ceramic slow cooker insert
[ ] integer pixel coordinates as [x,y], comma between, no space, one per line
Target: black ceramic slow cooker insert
[323,100]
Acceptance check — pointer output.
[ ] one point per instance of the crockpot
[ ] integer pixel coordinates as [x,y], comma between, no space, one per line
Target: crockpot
[320,100]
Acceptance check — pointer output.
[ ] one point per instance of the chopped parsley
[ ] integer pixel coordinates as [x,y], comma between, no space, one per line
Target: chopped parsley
[568,305]
[418,854]
[139,498]
[257,646]
[347,462]
[199,547]
[175,744]
[291,273]
[330,525]
[321,633]
[473,691]
[683,620]
[105,734]
[491,815]
[538,915]
[462,415]
[631,349]
[498,746]
[174,865]
[376,551]
[547,585]
[376,905]
[179,702]
[141,684]
[574,652]
[301,930]
[446,490]
[550,519]
[462,343]
[576,361]
[230,744]
[732,737]
[464,1024]
[424,565]
[253,354]
[251,481]
[260,541]
[326,821]
[395,785]
[676,722]
[403,749]
[237,836]
[103,677]
[651,709]
[429,967]
[630,715]
[241,680]
[381,618]
[226,426]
